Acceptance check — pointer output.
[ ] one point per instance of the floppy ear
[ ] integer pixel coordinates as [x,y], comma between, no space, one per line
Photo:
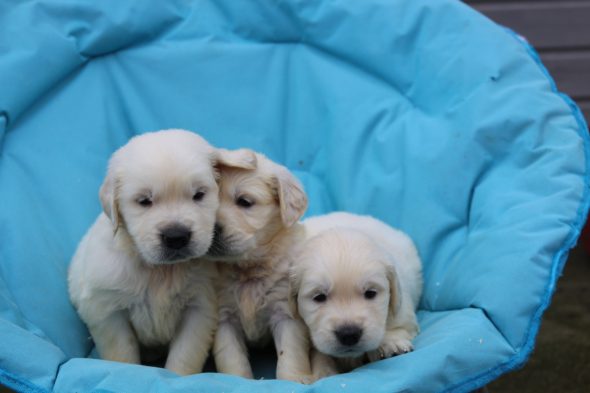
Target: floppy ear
[395,298]
[292,197]
[240,158]
[109,201]
[294,283]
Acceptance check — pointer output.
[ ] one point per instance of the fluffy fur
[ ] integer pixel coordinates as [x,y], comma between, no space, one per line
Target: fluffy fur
[256,234]
[135,279]
[356,283]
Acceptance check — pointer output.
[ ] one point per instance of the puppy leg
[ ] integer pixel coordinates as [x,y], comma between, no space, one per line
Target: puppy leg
[322,365]
[292,345]
[115,339]
[191,344]
[230,352]
[396,342]
[401,329]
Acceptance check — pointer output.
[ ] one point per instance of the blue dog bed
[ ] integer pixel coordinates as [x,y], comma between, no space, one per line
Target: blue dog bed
[422,113]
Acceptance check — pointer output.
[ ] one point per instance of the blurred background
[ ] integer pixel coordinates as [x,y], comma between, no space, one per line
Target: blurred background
[561,359]
[560,31]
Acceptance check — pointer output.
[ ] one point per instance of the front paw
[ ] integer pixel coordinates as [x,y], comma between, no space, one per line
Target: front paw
[305,379]
[322,365]
[391,347]
[244,373]
[323,373]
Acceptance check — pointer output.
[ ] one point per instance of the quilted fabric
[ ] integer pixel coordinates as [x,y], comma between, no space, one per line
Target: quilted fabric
[422,113]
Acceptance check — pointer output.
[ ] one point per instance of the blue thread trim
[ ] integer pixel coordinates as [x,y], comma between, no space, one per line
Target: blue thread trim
[19,384]
[521,357]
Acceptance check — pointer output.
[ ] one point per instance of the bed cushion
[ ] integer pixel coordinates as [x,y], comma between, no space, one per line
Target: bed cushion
[424,114]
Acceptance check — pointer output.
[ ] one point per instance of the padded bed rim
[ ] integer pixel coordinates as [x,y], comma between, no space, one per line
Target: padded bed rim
[17,383]
[559,259]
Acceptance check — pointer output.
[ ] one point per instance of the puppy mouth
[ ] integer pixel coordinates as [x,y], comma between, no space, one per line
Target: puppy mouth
[170,256]
[341,351]
[348,352]
[338,350]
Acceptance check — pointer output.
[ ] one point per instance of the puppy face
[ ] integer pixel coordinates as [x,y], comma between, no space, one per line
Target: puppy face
[161,189]
[255,205]
[344,289]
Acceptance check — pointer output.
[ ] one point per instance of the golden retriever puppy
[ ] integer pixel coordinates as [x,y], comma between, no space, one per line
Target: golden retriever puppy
[356,283]
[134,279]
[257,230]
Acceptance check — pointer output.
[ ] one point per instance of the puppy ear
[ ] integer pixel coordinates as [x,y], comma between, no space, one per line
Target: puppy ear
[395,298]
[292,197]
[294,283]
[240,158]
[109,200]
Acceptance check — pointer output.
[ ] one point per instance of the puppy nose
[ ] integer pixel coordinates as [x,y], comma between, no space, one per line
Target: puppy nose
[348,334]
[217,230]
[176,236]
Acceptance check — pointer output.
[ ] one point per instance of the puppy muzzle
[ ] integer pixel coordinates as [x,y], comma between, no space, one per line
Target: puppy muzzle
[348,341]
[175,237]
[348,335]
[176,244]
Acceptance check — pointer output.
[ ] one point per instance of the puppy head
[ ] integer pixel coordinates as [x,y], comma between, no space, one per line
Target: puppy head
[344,286]
[255,206]
[161,190]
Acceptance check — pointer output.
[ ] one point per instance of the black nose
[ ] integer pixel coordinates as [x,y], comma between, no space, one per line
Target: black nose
[217,230]
[348,334]
[176,236]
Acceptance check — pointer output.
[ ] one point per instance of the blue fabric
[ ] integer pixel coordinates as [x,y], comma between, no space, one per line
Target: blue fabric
[424,114]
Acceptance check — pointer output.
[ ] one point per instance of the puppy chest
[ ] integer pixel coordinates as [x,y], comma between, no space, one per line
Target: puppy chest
[155,316]
[255,301]
[256,325]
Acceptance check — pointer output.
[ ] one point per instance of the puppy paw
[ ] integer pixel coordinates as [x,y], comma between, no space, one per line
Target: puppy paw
[322,365]
[305,379]
[391,347]
[323,373]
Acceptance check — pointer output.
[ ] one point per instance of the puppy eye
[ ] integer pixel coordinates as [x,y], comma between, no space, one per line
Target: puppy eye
[320,298]
[199,195]
[370,294]
[144,201]
[244,202]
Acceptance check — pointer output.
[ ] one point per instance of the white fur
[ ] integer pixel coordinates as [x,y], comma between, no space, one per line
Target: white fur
[129,289]
[345,256]
[254,246]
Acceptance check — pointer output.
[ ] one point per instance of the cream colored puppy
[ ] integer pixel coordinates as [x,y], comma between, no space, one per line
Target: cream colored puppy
[257,232]
[356,284]
[134,279]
